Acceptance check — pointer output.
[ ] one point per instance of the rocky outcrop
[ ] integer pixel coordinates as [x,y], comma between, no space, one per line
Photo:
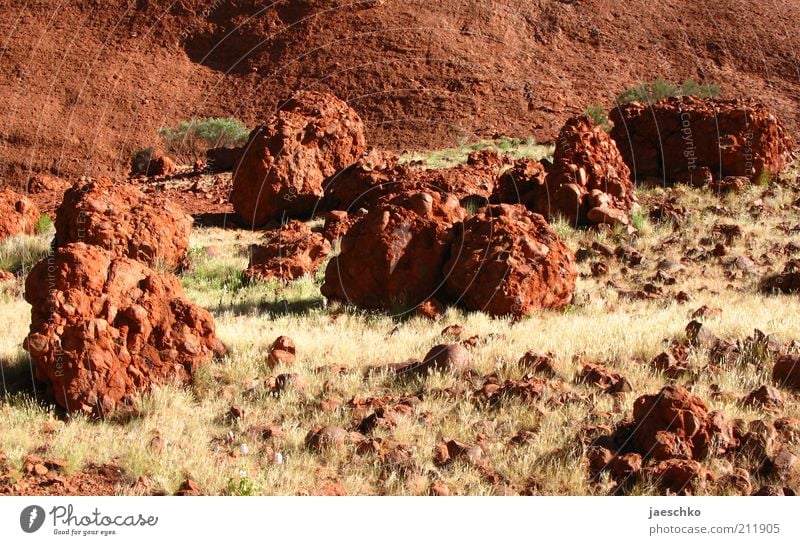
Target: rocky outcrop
[286,161]
[104,328]
[676,136]
[126,222]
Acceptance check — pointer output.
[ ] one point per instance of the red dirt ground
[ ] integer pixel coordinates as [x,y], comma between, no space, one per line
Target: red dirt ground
[84,83]
[40,477]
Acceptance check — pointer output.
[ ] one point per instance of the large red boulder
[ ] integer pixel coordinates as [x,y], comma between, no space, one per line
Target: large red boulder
[507,260]
[104,328]
[125,221]
[589,182]
[392,258]
[674,424]
[286,161]
[18,214]
[288,253]
[677,136]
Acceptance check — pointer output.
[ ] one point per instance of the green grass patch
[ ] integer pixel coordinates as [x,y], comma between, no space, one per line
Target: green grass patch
[218,284]
[515,148]
[44,224]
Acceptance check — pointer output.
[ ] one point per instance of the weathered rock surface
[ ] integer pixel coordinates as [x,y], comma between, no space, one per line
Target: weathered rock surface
[507,260]
[286,161]
[126,222]
[104,328]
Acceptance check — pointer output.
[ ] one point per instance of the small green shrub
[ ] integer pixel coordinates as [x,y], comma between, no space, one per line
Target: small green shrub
[194,137]
[242,486]
[640,220]
[221,276]
[44,224]
[660,88]
[598,115]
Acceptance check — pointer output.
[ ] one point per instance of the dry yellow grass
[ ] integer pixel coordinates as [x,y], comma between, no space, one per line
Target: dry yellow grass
[196,440]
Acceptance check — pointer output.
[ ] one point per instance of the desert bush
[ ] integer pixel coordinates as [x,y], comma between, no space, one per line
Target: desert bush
[44,224]
[598,115]
[660,88]
[194,137]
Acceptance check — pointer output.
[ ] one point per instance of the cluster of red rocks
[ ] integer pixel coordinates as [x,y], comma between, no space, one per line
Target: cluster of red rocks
[420,251]
[674,138]
[287,253]
[671,436]
[408,245]
[106,323]
[587,184]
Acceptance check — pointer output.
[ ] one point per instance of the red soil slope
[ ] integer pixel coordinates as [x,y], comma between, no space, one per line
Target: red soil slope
[84,83]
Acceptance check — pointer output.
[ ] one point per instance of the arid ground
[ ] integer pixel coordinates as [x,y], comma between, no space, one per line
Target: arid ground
[572,262]
[225,431]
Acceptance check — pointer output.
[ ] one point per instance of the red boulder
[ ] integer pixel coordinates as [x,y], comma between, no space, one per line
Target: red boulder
[104,328]
[507,260]
[674,424]
[392,258]
[676,136]
[287,253]
[126,222]
[18,214]
[363,183]
[149,162]
[286,161]
[680,476]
